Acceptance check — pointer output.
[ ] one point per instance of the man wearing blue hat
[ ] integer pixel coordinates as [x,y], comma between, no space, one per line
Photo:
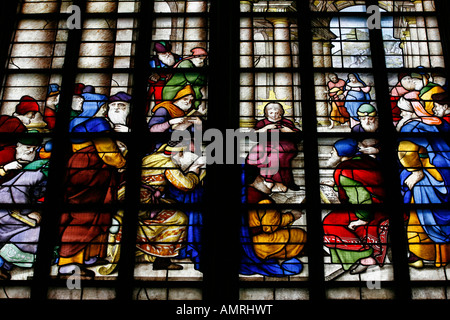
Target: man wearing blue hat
[51,105]
[350,234]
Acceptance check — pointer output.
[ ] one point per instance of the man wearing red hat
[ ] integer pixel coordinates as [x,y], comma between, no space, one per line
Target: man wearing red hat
[26,110]
[164,58]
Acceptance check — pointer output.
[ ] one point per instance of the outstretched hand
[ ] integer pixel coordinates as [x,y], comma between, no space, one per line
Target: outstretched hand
[413,178]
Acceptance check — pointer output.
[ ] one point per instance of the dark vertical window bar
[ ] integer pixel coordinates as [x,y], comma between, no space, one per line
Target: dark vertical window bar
[388,158]
[135,150]
[61,144]
[442,10]
[222,219]
[310,145]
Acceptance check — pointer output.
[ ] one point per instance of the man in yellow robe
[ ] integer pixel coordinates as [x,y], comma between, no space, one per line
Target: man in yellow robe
[162,233]
[272,234]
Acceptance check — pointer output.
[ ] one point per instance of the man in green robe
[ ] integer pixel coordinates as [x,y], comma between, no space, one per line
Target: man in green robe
[196,78]
[356,234]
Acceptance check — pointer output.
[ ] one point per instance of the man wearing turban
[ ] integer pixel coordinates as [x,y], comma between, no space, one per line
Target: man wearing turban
[193,76]
[356,235]
[435,85]
[168,114]
[176,114]
[368,119]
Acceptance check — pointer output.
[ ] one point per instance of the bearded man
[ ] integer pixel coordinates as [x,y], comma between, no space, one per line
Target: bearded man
[177,114]
[368,119]
[25,153]
[14,124]
[164,59]
[93,177]
[118,111]
[25,111]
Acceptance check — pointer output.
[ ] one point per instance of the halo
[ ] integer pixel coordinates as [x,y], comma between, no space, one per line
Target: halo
[272,98]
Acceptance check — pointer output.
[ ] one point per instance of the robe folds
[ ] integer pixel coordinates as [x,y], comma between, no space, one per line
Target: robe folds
[266,237]
[194,77]
[163,233]
[19,237]
[11,124]
[274,158]
[92,178]
[354,99]
[8,124]
[428,228]
[358,181]
[338,111]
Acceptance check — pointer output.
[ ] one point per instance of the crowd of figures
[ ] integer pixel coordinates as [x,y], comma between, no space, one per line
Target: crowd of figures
[357,239]
[95,177]
[173,172]
[350,103]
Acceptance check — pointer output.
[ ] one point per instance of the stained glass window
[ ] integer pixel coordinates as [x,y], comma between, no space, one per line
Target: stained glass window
[224,150]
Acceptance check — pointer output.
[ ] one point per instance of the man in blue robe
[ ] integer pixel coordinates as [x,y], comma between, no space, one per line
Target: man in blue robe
[425,178]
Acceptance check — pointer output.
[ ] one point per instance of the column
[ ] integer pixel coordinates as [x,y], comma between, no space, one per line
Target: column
[97,52]
[123,55]
[247,81]
[282,59]
[422,36]
[414,38]
[327,60]
[320,82]
[194,27]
